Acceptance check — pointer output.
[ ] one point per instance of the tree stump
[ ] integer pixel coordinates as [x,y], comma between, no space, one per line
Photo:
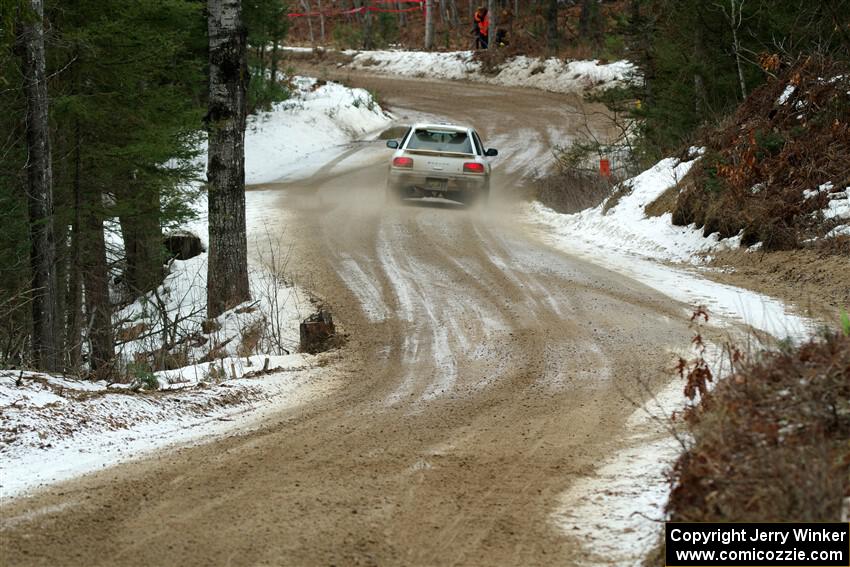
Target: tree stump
[183,245]
[316,332]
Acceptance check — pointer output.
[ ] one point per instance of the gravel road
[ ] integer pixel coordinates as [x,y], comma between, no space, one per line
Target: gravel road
[484,374]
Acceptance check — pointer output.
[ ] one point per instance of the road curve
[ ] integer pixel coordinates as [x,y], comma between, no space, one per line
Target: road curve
[484,373]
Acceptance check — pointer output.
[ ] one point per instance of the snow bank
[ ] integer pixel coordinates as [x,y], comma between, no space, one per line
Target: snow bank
[56,428]
[295,135]
[624,239]
[625,225]
[551,74]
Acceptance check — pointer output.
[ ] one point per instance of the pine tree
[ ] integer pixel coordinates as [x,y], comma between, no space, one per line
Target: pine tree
[128,112]
[45,301]
[125,91]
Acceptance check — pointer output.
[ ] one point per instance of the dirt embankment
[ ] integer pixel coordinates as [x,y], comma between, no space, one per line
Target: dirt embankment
[777,171]
[815,282]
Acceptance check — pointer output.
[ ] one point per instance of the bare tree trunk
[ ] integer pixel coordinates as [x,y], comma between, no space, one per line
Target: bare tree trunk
[96,283]
[589,20]
[142,233]
[306,6]
[321,22]
[735,21]
[402,17]
[429,24]
[552,25]
[700,95]
[227,271]
[274,60]
[454,14]
[491,34]
[368,42]
[46,342]
[75,284]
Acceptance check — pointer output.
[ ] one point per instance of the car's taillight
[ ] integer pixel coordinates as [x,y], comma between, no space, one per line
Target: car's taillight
[403,162]
[473,167]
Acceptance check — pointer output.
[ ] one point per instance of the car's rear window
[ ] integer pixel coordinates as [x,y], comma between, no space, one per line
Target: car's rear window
[440,141]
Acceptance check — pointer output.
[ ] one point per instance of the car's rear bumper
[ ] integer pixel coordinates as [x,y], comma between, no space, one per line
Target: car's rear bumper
[425,183]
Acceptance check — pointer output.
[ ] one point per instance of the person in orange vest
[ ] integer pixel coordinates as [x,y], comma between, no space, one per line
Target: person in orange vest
[482,28]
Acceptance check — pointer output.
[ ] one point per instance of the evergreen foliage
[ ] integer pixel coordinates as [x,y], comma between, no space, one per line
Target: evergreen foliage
[127,84]
[686,51]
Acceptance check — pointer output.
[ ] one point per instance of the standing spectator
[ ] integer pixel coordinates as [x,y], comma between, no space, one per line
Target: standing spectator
[482,28]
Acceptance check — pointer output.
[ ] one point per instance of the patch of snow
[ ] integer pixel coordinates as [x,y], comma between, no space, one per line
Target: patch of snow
[85,430]
[786,94]
[626,241]
[292,140]
[838,206]
[551,74]
[625,226]
[811,194]
[841,230]
[363,286]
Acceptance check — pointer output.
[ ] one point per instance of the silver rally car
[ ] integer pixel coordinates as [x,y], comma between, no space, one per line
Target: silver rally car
[440,160]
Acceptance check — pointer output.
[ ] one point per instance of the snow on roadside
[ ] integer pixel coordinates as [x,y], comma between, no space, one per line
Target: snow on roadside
[57,428]
[625,240]
[292,140]
[625,225]
[555,75]
[615,513]
[54,428]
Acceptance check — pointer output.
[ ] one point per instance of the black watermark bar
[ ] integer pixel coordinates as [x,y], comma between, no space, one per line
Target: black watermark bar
[757,545]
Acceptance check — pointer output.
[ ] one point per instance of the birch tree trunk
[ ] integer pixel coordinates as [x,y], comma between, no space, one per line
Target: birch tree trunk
[46,342]
[227,271]
[429,24]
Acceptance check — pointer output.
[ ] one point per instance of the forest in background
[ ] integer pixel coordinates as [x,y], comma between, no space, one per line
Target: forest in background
[127,85]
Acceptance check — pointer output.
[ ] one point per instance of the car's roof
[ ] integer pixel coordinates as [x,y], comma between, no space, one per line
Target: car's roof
[441,126]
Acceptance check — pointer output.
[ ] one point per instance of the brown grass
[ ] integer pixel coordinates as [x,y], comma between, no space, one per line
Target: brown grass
[250,337]
[770,442]
[570,191]
[758,165]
